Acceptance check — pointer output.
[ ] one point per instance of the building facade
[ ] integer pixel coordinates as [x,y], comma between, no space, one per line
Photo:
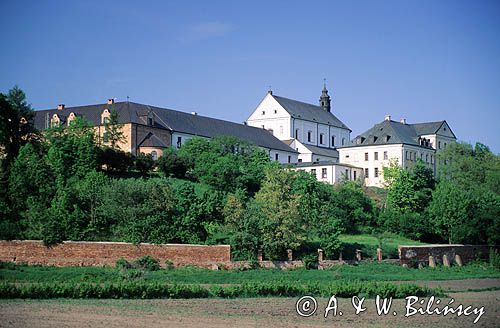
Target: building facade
[403,143]
[150,129]
[312,130]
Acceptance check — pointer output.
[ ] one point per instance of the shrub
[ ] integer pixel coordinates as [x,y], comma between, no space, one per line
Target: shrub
[310,261]
[169,265]
[123,264]
[147,263]
[495,259]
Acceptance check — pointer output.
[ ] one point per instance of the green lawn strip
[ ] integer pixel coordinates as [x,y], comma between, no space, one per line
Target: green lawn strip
[152,290]
[190,275]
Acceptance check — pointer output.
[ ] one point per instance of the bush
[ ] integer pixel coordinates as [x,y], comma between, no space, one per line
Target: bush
[134,290]
[123,264]
[169,265]
[310,261]
[147,263]
[494,259]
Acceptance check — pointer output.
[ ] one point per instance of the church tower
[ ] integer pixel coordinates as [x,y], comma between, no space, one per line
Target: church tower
[324,100]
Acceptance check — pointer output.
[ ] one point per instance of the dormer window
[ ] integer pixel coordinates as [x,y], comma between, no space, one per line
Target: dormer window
[55,120]
[71,118]
[105,116]
[151,121]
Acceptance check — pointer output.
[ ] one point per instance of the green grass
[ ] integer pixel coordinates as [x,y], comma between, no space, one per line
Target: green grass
[152,290]
[189,275]
[368,244]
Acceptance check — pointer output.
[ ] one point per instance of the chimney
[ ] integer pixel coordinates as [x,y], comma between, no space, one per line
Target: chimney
[402,120]
[111,101]
[244,122]
[60,107]
[387,117]
[194,113]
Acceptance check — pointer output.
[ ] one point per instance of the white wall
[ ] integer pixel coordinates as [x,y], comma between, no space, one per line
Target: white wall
[356,156]
[335,173]
[271,116]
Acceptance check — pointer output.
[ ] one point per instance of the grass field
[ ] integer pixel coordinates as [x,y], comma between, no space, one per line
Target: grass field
[188,275]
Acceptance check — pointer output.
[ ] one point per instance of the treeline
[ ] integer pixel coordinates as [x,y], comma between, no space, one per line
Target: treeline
[60,185]
[461,206]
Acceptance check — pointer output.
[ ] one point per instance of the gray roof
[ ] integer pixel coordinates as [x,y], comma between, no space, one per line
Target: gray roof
[150,140]
[305,111]
[322,151]
[319,163]
[173,120]
[391,132]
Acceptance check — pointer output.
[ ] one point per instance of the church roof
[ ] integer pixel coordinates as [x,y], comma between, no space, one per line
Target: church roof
[305,111]
[391,132]
[164,118]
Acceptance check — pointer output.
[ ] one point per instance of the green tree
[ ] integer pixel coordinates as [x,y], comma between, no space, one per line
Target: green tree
[450,211]
[113,129]
[283,227]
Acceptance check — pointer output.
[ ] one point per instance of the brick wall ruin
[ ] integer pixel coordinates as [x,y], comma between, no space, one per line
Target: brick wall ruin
[82,253]
[419,254]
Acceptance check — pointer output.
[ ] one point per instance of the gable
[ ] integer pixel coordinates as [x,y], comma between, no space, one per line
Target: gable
[445,130]
[267,109]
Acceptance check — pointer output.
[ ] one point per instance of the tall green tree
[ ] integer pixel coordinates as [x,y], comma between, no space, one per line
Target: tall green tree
[113,129]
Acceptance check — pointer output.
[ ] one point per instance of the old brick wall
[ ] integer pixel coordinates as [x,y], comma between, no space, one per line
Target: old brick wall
[412,255]
[76,253]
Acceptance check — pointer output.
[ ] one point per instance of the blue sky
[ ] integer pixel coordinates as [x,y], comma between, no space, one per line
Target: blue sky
[423,60]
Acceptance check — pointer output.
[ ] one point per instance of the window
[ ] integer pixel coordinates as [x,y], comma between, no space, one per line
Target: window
[439,144]
[276,156]
[333,141]
[406,154]
[343,141]
[347,174]
[289,159]
[106,120]
[354,175]
[275,111]
[150,121]
[313,172]
[321,138]
[432,159]
[366,173]
[427,158]
[376,172]
[375,155]
[366,156]
[421,156]
[296,133]
[299,160]
[271,131]
[309,136]
[154,155]
[445,145]
[385,155]
[323,173]
[263,112]
[179,142]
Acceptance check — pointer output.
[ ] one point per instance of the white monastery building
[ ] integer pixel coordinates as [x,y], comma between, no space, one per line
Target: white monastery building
[325,149]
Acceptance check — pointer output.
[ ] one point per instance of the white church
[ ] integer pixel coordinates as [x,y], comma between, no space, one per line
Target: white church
[326,150]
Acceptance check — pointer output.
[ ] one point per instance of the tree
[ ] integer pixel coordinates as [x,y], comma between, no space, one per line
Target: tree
[283,227]
[113,129]
[16,124]
[408,190]
[171,164]
[450,211]
[144,163]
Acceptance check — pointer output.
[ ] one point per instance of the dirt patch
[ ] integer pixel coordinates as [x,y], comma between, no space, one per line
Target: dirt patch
[268,312]
[456,285]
